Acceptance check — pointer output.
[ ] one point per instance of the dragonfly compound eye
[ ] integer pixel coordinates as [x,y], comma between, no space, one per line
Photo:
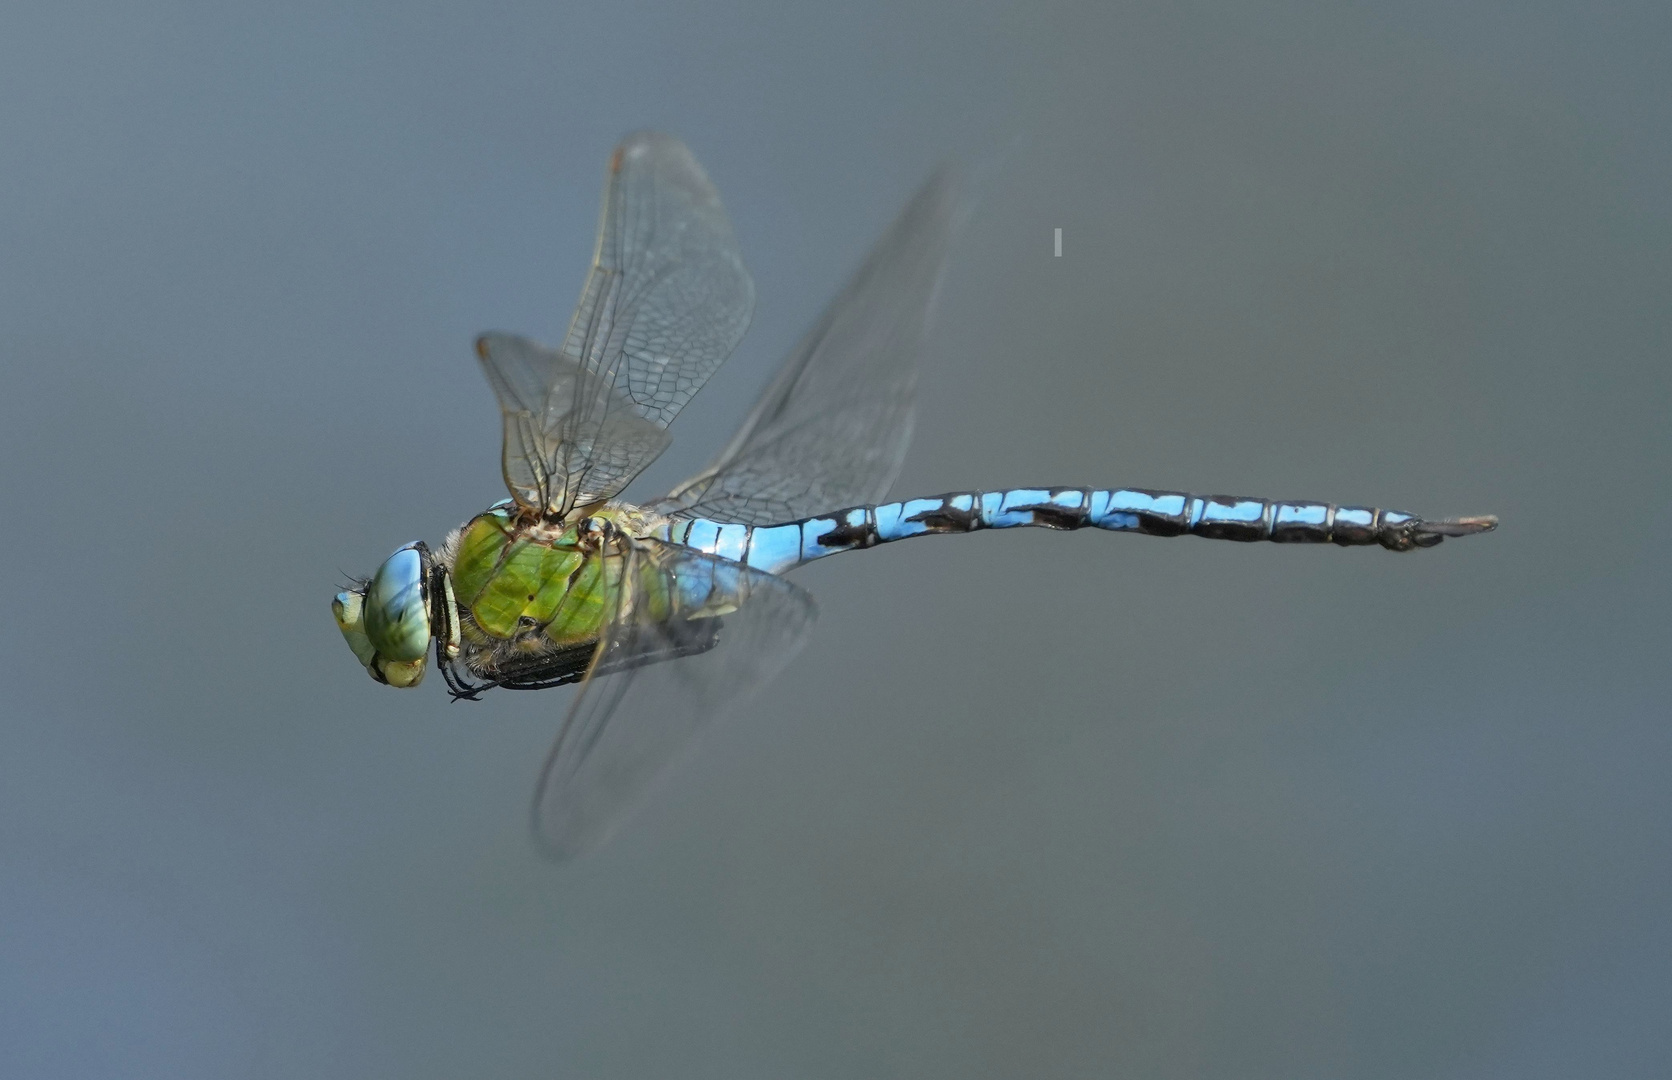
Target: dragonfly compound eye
[388,624]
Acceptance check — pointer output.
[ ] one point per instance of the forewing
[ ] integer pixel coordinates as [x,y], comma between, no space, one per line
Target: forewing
[666,301]
[831,430]
[637,712]
[668,298]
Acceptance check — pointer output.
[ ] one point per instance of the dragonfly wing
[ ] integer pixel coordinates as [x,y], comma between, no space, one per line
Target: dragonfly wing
[692,635]
[833,426]
[559,449]
[666,301]
[668,298]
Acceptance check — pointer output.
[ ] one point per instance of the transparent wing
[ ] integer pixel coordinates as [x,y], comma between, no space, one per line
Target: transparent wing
[562,449]
[666,301]
[832,428]
[692,635]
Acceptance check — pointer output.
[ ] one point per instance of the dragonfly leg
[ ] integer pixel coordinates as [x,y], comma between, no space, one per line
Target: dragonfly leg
[458,685]
[671,642]
[566,679]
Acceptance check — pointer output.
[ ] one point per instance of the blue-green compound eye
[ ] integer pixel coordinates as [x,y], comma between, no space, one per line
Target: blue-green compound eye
[387,623]
[396,615]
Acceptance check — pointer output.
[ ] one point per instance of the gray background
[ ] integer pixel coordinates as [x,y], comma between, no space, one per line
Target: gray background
[1030,805]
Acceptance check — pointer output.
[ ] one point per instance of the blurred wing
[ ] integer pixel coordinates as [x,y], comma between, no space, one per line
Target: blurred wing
[693,634]
[832,428]
[666,301]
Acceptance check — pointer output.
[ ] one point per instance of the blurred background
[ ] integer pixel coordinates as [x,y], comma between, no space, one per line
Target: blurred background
[1260,812]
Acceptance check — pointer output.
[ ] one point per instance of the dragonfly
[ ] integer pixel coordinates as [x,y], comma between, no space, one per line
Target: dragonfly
[668,613]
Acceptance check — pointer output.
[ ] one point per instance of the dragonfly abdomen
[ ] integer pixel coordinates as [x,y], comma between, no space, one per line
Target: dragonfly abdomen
[777,548]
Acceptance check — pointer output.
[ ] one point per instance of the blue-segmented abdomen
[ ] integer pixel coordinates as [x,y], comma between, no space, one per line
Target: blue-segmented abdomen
[777,548]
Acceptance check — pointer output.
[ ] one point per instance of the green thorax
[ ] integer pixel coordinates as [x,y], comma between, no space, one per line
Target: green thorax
[517,579]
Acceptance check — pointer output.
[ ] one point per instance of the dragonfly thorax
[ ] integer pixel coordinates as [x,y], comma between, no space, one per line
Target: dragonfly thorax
[535,590]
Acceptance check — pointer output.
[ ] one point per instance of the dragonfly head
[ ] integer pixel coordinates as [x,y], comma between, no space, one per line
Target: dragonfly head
[387,620]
